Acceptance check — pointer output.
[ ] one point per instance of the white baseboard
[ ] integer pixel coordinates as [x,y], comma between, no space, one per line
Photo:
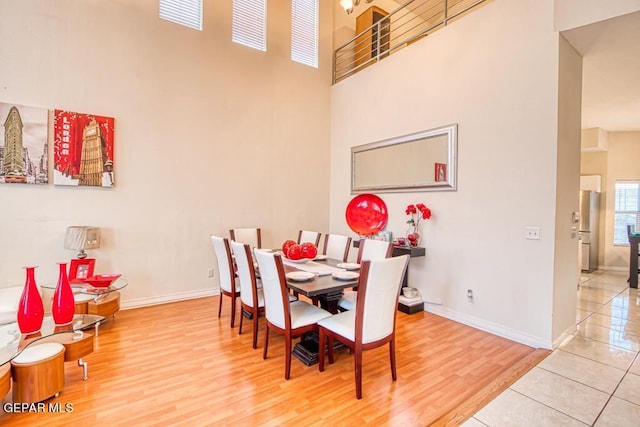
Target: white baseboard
[613,268]
[164,299]
[493,328]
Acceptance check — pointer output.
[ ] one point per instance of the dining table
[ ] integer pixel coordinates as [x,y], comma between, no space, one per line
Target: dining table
[330,277]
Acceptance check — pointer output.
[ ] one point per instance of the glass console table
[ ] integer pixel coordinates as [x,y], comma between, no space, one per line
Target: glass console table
[102,301]
[12,342]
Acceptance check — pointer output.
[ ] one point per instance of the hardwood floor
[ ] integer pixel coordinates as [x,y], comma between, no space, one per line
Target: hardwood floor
[179,364]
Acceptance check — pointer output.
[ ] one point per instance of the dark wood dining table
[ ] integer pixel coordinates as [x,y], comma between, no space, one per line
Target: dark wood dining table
[325,288]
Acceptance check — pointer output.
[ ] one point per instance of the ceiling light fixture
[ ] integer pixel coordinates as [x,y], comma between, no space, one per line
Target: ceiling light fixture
[348,5]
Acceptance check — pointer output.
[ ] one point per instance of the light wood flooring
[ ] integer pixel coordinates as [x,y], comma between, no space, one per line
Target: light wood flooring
[178,364]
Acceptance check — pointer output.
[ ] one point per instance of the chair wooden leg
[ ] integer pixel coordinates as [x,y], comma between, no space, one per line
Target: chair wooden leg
[358,369]
[255,329]
[241,317]
[321,344]
[287,368]
[220,304]
[233,310]
[266,340]
[392,357]
[330,343]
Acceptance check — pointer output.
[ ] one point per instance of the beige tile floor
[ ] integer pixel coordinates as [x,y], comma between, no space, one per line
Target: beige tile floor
[592,378]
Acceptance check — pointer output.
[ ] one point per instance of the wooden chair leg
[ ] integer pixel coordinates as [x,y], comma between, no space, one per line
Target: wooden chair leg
[287,349]
[358,369]
[255,329]
[233,310]
[220,304]
[321,344]
[266,341]
[392,357]
[241,317]
[330,343]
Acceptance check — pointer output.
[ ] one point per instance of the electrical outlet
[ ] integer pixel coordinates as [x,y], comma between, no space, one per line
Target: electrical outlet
[532,233]
[470,295]
[210,272]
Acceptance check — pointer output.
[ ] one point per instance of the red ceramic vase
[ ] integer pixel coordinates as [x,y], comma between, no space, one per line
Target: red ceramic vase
[63,306]
[30,308]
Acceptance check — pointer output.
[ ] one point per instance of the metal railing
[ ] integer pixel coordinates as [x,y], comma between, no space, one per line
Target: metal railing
[410,22]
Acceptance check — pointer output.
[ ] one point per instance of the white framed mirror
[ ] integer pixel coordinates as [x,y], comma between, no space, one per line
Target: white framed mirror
[421,161]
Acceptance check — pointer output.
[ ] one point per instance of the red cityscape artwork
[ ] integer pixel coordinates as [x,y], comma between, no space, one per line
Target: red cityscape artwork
[82,149]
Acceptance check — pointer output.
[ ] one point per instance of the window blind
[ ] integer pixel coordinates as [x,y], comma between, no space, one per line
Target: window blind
[627,210]
[249,23]
[183,12]
[304,32]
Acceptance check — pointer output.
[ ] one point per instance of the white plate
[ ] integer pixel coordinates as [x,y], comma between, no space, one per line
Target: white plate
[298,261]
[320,257]
[300,276]
[348,265]
[346,275]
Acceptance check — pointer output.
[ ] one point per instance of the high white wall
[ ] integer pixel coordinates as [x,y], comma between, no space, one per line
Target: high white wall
[495,73]
[209,135]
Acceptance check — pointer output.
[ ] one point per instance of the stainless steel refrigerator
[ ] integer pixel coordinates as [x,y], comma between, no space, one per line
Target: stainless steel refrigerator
[589,226]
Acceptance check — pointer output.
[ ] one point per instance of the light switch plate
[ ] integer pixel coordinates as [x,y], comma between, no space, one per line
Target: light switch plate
[532,233]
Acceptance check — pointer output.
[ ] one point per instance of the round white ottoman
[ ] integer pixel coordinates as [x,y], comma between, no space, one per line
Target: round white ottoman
[38,372]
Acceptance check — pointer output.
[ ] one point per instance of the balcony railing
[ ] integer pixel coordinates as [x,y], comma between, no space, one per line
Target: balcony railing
[410,22]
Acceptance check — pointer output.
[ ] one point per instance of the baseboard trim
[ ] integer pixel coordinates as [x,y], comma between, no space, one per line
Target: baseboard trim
[164,299]
[493,328]
[613,268]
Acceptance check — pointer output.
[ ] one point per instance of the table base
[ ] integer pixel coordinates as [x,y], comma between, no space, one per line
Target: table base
[330,301]
[307,349]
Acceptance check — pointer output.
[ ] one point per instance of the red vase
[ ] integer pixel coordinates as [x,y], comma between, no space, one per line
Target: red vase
[30,308]
[63,306]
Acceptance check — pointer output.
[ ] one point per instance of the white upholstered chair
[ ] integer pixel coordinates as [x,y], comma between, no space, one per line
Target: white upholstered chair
[249,236]
[251,297]
[369,250]
[336,246]
[226,274]
[309,236]
[373,323]
[289,319]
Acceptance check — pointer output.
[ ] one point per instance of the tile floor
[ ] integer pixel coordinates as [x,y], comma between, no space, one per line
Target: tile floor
[593,378]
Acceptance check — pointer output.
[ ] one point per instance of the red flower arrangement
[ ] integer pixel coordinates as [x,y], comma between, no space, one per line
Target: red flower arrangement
[416,213]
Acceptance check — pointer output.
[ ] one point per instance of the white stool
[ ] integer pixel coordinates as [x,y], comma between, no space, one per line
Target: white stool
[82,301]
[38,372]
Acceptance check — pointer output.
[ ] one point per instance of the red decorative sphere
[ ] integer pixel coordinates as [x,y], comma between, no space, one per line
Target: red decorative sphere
[309,250]
[295,252]
[366,214]
[286,245]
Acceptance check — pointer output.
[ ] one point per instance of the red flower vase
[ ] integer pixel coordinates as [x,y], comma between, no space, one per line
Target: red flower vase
[30,308]
[63,307]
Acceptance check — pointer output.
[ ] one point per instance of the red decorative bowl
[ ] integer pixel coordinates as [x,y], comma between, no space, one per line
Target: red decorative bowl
[366,214]
[102,280]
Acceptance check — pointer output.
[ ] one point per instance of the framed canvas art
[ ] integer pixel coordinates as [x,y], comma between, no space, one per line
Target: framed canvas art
[23,144]
[83,149]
